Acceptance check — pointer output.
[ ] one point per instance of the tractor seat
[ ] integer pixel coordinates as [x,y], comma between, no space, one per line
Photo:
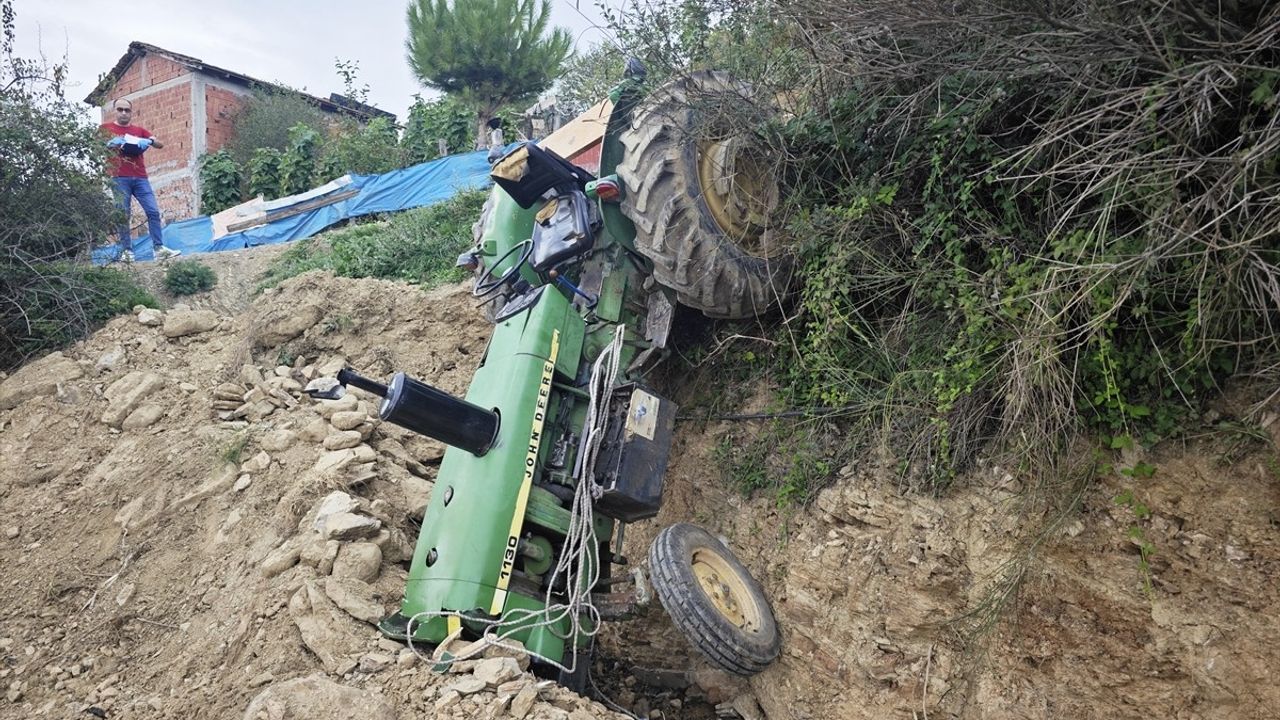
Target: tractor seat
[528,173]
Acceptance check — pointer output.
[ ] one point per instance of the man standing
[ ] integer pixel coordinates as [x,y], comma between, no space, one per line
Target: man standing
[129,172]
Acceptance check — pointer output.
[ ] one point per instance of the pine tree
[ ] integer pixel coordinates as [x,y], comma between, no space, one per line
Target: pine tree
[487,53]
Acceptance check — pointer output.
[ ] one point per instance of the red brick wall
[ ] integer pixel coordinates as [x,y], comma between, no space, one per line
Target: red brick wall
[220,106]
[167,114]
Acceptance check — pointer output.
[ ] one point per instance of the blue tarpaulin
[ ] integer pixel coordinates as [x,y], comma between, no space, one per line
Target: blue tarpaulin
[411,187]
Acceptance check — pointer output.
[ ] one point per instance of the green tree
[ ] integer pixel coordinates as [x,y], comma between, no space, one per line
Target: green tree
[487,53]
[588,77]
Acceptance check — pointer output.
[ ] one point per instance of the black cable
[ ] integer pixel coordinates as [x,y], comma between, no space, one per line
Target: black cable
[815,411]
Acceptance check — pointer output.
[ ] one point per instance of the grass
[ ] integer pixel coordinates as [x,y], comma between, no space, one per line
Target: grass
[420,246]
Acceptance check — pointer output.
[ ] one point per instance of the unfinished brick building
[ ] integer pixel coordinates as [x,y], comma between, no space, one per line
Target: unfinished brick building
[189,105]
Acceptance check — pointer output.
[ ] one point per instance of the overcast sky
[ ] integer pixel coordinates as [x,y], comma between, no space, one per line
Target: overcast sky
[293,42]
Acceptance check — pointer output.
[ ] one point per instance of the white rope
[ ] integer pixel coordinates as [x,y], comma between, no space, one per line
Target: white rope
[575,560]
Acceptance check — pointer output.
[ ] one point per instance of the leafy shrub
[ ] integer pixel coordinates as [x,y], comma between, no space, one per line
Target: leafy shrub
[189,277]
[219,182]
[53,206]
[1013,256]
[266,119]
[64,304]
[363,149]
[298,164]
[264,173]
[429,122]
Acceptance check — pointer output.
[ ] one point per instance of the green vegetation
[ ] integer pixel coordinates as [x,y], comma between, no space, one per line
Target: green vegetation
[487,54]
[219,182]
[429,122]
[189,277]
[1004,241]
[266,119]
[53,207]
[419,246]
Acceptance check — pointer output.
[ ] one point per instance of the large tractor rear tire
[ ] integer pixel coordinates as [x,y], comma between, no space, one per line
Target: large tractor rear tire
[713,600]
[700,192]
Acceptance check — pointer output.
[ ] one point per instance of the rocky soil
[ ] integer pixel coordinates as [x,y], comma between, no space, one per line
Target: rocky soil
[185,534]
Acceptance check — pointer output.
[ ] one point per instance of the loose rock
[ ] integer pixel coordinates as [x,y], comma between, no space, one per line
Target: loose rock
[182,323]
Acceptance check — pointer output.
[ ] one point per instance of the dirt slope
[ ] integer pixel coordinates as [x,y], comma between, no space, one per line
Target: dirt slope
[165,556]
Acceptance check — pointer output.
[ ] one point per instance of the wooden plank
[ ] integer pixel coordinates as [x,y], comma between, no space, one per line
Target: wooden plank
[581,132]
[293,210]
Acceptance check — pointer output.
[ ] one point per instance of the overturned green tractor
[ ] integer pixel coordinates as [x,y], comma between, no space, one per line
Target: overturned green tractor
[558,443]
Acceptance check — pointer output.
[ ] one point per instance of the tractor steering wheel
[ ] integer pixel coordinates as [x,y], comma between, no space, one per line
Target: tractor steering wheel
[487,284]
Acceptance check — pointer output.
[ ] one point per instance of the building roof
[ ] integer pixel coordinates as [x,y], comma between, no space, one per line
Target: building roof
[335,103]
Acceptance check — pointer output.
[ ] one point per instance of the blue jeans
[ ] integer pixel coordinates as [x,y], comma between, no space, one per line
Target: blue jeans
[128,188]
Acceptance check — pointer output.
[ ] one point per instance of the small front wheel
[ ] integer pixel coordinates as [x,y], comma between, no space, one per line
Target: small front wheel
[713,600]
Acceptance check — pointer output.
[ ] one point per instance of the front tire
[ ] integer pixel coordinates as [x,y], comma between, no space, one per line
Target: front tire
[713,600]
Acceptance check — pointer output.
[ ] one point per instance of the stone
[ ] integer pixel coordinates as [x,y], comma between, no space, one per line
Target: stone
[283,323]
[328,632]
[332,504]
[110,360]
[417,494]
[283,371]
[260,410]
[359,561]
[334,461]
[264,678]
[257,463]
[497,670]
[242,483]
[375,662]
[523,702]
[510,648]
[277,441]
[406,658]
[320,698]
[145,416]
[342,440]
[187,387]
[180,323]
[315,431]
[346,403]
[331,365]
[447,699]
[320,553]
[394,545]
[356,598]
[12,532]
[38,379]
[250,375]
[127,393]
[349,526]
[348,419]
[280,559]
[466,685]
[151,317]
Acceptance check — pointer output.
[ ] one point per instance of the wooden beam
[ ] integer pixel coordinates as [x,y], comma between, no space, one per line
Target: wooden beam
[293,210]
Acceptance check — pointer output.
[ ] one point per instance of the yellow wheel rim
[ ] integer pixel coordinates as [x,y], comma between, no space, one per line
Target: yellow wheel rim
[739,190]
[726,590]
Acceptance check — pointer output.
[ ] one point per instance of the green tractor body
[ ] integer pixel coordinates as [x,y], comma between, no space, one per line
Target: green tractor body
[556,443]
